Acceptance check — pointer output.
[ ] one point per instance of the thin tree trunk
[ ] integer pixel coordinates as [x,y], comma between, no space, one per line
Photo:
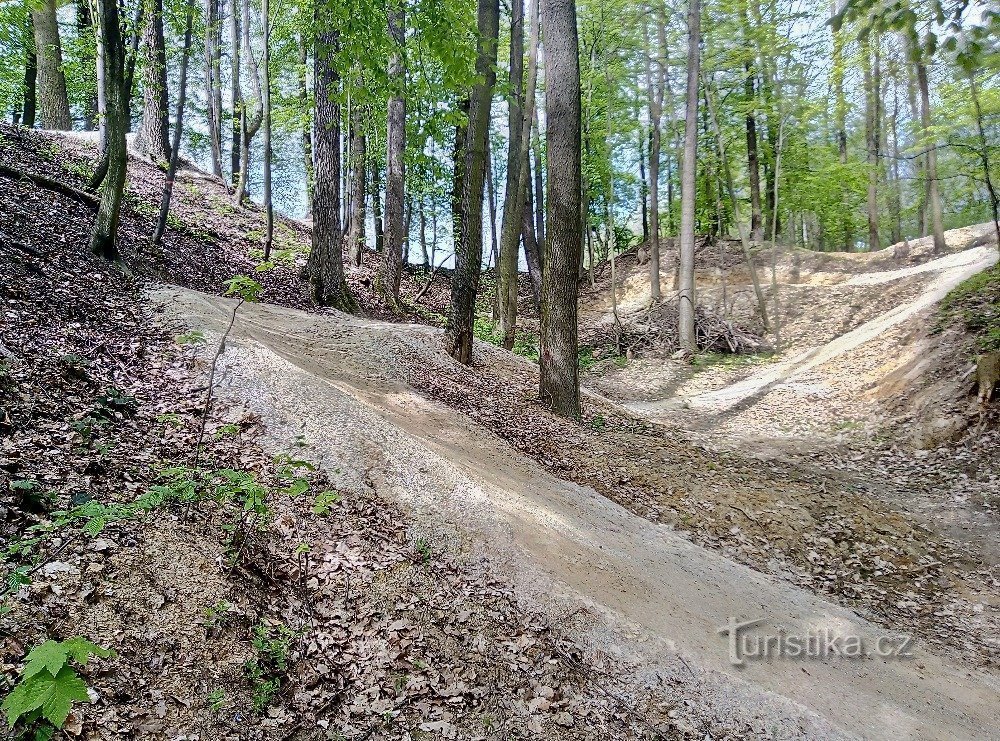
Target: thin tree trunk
[153,138]
[735,204]
[518,168]
[53,102]
[249,124]
[265,13]
[392,256]
[558,341]
[212,83]
[236,92]
[168,183]
[984,155]
[643,182]
[896,194]
[753,162]
[469,248]
[870,55]
[359,152]
[377,208]
[933,196]
[85,28]
[539,183]
[103,239]
[840,119]
[689,180]
[325,266]
[654,94]
[919,161]
[532,251]
[307,145]
[30,78]
[424,257]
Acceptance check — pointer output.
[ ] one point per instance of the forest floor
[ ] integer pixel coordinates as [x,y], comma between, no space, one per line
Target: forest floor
[488,570]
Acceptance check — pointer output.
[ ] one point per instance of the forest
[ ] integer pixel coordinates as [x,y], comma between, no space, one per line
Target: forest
[448,369]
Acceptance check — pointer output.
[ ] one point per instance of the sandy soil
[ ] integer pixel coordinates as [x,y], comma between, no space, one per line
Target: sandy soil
[652,593]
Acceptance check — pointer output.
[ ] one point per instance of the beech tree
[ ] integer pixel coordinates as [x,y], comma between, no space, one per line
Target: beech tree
[103,238]
[558,341]
[50,79]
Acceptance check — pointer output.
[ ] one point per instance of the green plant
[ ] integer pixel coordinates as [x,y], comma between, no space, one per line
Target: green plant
[228,430]
[265,672]
[424,549]
[170,418]
[216,699]
[191,337]
[324,502]
[49,684]
[217,616]
[243,287]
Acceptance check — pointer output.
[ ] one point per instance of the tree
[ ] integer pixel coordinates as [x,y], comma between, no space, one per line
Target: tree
[392,256]
[689,174]
[325,266]
[153,133]
[249,123]
[105,232]
[558,341]
[356,234]
[654,93]
[213,83]
[53,102]
[265,14]
[518,169]
[470,179]
[168,183]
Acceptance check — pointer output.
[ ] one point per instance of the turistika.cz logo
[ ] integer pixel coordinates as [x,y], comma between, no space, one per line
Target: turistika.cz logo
[819,644]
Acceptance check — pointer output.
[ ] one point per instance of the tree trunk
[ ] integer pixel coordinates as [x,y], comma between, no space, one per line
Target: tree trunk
[236,92]
[643,182]
[249,124]
[307,145]
[654,94]
[30,77]
[265,12]
[689,180]
[103,239]
[559,380]
[539,178]
[53,103]
[984,155]
[168,183]
[871,85]
[532,252]
[85,28]
[356,234]
[469,248]
[518,167]
[753,162]
[212,84]
[326,260]
[377,208]
[392,256]
[735,204]
[840,125]
[919,175]
[933,196]
[154,130]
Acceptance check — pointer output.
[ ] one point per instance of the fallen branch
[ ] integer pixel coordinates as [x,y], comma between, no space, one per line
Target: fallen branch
[43,181]
[430,279]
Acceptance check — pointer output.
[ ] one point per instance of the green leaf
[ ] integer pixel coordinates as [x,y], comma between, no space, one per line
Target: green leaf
[53,694]
[51,655]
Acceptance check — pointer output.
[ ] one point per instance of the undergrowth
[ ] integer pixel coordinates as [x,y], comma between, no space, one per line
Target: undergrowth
[976,303]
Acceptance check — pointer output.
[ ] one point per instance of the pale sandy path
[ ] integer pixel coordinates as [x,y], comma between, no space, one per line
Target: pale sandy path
[949,270]
[334,380]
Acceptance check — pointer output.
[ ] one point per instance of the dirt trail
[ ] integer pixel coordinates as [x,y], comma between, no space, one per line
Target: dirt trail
[950,270]
[338,381]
